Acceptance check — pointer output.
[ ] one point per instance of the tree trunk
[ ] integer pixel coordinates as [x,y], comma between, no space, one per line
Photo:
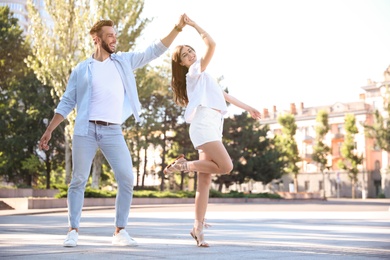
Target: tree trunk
[195,181]
[97,169]
[68,159]
[138,160]
[384,170]
[145,165]
[162,176]
[220,187]
[164,150]
[353,188]
[323,185]
[296,182]
[182,174]
[48,169]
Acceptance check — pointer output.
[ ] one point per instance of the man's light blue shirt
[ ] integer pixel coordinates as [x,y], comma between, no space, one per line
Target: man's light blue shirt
[79,89]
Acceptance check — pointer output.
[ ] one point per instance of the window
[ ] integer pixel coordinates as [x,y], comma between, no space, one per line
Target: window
[339,128]
[376,146]
[307,185]
[377,165]
[320,185]
[339,144]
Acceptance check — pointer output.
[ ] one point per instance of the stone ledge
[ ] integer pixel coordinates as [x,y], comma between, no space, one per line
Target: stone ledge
[300,195]
[26,193]
[50,203]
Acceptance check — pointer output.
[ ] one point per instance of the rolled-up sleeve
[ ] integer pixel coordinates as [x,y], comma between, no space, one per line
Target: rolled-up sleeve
[140,59]
[68,100]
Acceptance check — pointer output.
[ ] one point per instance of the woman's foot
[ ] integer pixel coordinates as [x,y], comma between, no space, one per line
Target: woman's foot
[197,234]
[179,165]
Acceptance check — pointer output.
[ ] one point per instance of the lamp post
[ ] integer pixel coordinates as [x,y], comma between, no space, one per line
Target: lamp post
[364,193]
[338,184]
[323,184]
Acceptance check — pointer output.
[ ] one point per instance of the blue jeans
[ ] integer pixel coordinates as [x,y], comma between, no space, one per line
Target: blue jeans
[113,146]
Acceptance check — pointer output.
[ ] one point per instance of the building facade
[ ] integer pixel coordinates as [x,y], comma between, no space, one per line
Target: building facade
[373,177]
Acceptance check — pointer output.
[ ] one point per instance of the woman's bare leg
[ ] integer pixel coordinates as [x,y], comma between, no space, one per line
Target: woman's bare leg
[201,201]
[202,192]
[215,159]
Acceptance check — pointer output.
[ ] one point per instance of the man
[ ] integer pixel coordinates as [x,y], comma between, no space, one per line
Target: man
[103,88]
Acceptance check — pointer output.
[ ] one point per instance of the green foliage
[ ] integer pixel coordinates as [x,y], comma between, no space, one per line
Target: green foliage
[351,160]
[380,129]
[237,194]
[160,117]
[164,194]
[32,164]
[254,155]
[22,108]
[321,150]
[93,193]
[286,142]
[56,49]
[381,196]
[150,188]
[12,50]
[89,193]
[126,16]
[60,41]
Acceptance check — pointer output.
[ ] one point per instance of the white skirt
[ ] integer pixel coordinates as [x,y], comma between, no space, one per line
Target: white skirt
[206,126]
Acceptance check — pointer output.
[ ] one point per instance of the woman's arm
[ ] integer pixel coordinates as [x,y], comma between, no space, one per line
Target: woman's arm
[210,43]
[232,100]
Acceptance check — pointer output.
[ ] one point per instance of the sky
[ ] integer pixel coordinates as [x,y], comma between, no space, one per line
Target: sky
[277,52]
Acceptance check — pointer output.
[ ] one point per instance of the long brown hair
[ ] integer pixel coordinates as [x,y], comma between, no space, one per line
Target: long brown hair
[178,82]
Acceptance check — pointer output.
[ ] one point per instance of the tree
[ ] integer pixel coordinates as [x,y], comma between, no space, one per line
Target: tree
[380,130]
[23,102]
[170,119]
[321,150]
[12,50]
[351,160]
[62,41]
[265,161]
[286,142]
[253,153]
[159,120]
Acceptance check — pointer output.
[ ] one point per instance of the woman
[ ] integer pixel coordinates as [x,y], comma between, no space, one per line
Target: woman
[205,104]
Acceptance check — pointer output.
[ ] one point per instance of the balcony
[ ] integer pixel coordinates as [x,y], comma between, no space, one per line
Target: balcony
[308,139]
[338,136]
[308,157]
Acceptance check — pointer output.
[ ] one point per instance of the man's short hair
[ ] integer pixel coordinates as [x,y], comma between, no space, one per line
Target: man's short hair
[97,27]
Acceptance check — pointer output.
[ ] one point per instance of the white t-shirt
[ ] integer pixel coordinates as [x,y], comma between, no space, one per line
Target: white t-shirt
[202,90]
[107,92]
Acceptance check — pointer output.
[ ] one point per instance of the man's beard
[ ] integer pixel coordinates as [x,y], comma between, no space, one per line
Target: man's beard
[106,47]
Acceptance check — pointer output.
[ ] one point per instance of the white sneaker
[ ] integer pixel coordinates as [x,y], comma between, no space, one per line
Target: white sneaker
[71,239]
[123,239]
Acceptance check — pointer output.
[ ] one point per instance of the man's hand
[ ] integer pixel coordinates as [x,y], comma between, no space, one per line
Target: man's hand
[181,22]
[43,143]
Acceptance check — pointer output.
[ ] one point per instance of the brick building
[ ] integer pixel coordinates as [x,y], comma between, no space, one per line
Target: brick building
[373,179]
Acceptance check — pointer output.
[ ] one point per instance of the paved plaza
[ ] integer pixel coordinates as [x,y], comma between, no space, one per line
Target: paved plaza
[333,229]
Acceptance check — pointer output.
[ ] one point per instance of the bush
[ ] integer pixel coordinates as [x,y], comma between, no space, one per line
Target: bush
[93,193]
[237,194]
[89,193]
[153,188]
